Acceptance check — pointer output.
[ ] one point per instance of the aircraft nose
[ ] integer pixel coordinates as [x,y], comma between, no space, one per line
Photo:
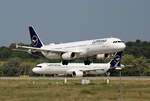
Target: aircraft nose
[36,70]
[120,46]
[123,46]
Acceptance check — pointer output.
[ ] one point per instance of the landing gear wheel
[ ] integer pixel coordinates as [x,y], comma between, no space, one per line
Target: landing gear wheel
[87,62]
[65,62]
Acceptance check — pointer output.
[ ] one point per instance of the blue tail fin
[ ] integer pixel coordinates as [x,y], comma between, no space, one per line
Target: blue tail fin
[35,40]
[115,62]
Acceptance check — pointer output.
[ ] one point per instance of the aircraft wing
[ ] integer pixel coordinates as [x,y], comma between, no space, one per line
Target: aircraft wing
[86,70]
[46,50]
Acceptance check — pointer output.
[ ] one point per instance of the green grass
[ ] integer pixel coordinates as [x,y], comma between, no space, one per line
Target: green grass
[56,90]
[1,63]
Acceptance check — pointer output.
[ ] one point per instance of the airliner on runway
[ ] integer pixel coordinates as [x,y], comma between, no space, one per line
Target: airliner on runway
[69,51]
[79,69]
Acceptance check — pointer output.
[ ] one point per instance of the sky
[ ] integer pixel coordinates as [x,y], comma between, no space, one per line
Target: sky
[74,20]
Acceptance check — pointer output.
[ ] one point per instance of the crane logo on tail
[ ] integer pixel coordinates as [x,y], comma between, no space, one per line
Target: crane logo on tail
[34,40]
[116,60]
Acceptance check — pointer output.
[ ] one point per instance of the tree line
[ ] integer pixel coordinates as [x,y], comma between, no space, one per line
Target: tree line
[136,58]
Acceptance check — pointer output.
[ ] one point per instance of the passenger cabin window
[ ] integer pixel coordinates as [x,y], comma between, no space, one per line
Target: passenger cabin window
[54,65]
[98,41]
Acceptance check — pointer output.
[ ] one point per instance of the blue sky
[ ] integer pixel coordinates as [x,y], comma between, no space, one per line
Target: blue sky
[73,20]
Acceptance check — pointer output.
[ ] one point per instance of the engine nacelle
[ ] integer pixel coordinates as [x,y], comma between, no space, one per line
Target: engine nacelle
[77,74]
[68,56]
[101,56]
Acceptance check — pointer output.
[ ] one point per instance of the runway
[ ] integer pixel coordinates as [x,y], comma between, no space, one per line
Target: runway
[77,78]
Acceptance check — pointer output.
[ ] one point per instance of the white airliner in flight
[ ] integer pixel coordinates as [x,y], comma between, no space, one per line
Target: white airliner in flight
[100,48]
[79,69]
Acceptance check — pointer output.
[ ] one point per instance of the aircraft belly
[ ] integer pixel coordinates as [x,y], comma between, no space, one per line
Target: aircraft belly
[96,72]
[55,70]
[98,69]
[93,50]
[99,49]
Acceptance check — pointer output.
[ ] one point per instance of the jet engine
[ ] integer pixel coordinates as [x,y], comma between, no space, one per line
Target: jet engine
[77,74]
[101,56]
[68,56]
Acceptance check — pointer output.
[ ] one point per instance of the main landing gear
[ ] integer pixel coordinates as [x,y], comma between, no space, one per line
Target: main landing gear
[65,62]
[86,62]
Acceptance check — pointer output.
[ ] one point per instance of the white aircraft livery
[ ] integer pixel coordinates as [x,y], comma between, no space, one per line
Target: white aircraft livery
[100,48]
[79,69]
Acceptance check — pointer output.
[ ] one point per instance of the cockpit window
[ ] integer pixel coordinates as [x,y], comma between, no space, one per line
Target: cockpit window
[118,41]
[39,66]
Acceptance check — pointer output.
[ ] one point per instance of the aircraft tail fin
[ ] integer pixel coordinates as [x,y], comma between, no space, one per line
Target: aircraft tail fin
[35,40]
[115,62]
